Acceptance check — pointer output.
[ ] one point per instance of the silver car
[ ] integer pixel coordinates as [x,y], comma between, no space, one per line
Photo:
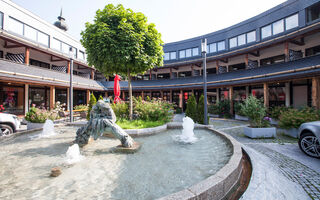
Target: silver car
[309,138]
[8,124]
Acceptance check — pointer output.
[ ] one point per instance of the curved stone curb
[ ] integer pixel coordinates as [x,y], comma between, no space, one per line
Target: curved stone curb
[146,131]
[217,186]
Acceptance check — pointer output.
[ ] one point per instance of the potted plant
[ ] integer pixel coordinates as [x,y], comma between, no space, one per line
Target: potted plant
[259,127]
[213,109]
[239,115]
[37,117]
[291,119]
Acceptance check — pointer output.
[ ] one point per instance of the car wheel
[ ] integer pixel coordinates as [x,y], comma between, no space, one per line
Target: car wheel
[5,130]
[310,145]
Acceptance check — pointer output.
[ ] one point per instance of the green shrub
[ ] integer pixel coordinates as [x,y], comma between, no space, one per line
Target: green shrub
[224,108]
[256,111]
[276,111]
[92,102]
[100,98]
[37,115]
[191,110]
[237,109]
[121,110]
[214,109]
[155,109]
[80,107]
[293,118]
[178,110]
[200,108]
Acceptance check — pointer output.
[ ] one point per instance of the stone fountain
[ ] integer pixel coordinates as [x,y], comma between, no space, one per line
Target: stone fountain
[103,120]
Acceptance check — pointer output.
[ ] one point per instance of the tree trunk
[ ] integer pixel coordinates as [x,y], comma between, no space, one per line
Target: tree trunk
[130,96]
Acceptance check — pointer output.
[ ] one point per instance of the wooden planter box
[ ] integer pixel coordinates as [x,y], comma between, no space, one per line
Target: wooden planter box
[260,132]
[242,118]
[31,125]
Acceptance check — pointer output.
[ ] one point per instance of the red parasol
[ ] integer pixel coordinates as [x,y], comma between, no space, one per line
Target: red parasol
[116,89]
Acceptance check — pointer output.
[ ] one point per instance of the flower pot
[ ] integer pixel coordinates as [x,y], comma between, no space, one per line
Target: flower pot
[260,132]
[239,117]
[293,132]
[31,125]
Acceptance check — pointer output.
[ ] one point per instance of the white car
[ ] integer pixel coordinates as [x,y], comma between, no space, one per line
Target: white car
[8,124]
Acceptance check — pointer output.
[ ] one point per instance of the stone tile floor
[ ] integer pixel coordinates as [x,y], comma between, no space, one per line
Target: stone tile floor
[280,169]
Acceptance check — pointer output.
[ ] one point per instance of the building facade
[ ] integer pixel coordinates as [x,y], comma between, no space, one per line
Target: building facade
[274,56]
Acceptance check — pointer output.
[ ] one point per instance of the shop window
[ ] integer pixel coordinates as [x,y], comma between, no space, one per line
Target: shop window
[277,96]
[251,36]
[212,48]
[12,99]
[39,97]
[61,96]
[43,38]
[277,27]
[166,56]
[30,33]
[188,53]
[173,55]
[195,51]
[313,12]
[182,54]
[56,44]
[237,67]
[79,97]
[266,31]
[292,22]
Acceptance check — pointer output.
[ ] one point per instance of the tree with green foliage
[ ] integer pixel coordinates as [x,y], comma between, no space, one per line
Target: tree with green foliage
[200,108]
[121,41]
[100,98]
[92,102]
[191,110]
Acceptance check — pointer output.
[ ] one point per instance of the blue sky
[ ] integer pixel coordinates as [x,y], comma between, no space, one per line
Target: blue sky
[175,19]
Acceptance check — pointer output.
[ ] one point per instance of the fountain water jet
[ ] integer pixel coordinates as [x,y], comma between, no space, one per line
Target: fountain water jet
[187,135]
[47,131]
[73,154]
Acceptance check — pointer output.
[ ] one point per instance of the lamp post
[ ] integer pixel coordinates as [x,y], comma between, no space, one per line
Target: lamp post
[204,55]
[71,54]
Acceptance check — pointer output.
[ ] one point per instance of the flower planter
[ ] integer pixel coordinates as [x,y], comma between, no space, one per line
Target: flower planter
[260,132]
[214,115]
[31,125]
[293,132]
[242,118]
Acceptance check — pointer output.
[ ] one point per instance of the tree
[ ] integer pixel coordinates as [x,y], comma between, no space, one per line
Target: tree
[191,110]
[92,102]
[200,108]
[120,41]
[100,98]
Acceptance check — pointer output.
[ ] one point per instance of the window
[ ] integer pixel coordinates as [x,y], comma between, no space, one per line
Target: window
[1,20]
[166,56]
[251,36]
[266,31]
[56,44]
[30,33]
[195,51]
[182,54]
[292,22]
[15,26]
[81,55]
[313,12]
[65,48]
[278,27]
[188,53]
[212,48]
[43,38]
[241,39]
[221,45]
[173,55]
[233,42]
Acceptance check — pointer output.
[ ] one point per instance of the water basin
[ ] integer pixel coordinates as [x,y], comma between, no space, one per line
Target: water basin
[161,167]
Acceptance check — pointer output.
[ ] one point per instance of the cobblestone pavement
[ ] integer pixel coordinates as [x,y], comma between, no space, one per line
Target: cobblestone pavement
[301,169]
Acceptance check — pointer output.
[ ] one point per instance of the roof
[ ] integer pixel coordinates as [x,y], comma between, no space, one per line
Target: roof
[305,67]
